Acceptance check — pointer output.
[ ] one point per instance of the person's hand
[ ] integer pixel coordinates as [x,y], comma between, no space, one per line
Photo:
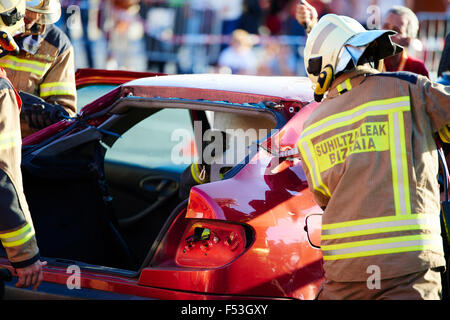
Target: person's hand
[306,15]
[41,115]
[31,275]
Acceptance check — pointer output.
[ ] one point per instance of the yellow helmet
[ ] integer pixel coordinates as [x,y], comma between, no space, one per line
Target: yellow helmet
[337,43]
[50,10]
[11,23]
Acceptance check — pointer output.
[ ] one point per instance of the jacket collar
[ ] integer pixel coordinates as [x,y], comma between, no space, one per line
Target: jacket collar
[349,80]
[30,42]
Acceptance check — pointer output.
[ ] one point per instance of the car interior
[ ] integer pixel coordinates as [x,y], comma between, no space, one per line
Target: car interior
[91,206]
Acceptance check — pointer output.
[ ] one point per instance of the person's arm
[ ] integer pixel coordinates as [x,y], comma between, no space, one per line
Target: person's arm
[16,226]
[306,15]
[435,99]
[58,85]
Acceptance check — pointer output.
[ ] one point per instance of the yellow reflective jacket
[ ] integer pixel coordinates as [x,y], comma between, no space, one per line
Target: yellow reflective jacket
[16,226]
[370,158]
[49,73]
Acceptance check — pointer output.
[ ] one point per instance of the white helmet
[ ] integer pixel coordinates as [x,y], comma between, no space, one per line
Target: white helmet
[50,10]
[11,23]
[337,43]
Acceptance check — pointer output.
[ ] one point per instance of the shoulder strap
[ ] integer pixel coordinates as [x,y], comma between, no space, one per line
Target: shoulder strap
[402,75]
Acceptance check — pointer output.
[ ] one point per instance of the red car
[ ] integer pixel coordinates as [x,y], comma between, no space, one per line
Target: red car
[103,190]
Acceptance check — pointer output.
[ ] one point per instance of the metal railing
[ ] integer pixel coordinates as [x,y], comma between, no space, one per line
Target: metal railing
[432,32]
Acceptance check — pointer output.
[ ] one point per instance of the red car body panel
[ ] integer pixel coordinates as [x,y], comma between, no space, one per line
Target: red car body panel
[95,76]
[287,265]
[268,198]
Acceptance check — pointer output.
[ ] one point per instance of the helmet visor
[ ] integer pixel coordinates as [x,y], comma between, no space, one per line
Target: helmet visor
[361,47]
[366,37]
[34,3]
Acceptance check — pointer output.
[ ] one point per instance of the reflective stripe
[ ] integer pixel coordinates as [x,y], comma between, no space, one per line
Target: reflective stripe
[7,4]
[57,88]
[373,108]
[349,84]
[399,164]
[320,40]
[389,224]
[308,159]
[381,246]
[41,65]
[18,237]
[444,133]
[19,64]
[9,140]
[346,85]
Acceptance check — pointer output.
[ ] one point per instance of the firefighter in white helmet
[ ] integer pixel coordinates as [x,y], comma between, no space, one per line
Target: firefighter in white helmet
[398,18]
[16,226]
[370,160]
[44,67]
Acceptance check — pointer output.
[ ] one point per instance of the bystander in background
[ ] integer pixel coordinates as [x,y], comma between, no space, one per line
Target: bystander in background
[69,8]
[239,57]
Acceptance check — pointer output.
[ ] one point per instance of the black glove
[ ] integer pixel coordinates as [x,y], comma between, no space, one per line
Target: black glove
[38,113]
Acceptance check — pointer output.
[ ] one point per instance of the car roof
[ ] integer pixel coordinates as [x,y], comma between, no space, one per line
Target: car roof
[298,88]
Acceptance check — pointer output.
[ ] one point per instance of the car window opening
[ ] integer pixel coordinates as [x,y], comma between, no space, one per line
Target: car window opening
[108,205]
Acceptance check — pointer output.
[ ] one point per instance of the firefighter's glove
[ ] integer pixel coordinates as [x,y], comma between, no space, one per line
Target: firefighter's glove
[38,113]
[39,116]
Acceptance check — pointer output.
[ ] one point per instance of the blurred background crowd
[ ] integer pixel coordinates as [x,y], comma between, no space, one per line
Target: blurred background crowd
[229,36]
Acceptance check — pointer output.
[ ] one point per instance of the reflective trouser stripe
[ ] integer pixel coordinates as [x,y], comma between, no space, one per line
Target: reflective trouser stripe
[57,88]
[381,246]
[380,225]
[18,237]
[19,64]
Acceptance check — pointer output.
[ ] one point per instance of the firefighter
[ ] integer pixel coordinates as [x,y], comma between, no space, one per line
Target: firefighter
[399,18]
[371,162]
[16,226]
[44,67]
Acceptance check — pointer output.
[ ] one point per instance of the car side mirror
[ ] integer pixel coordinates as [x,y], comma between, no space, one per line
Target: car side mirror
[313,229]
